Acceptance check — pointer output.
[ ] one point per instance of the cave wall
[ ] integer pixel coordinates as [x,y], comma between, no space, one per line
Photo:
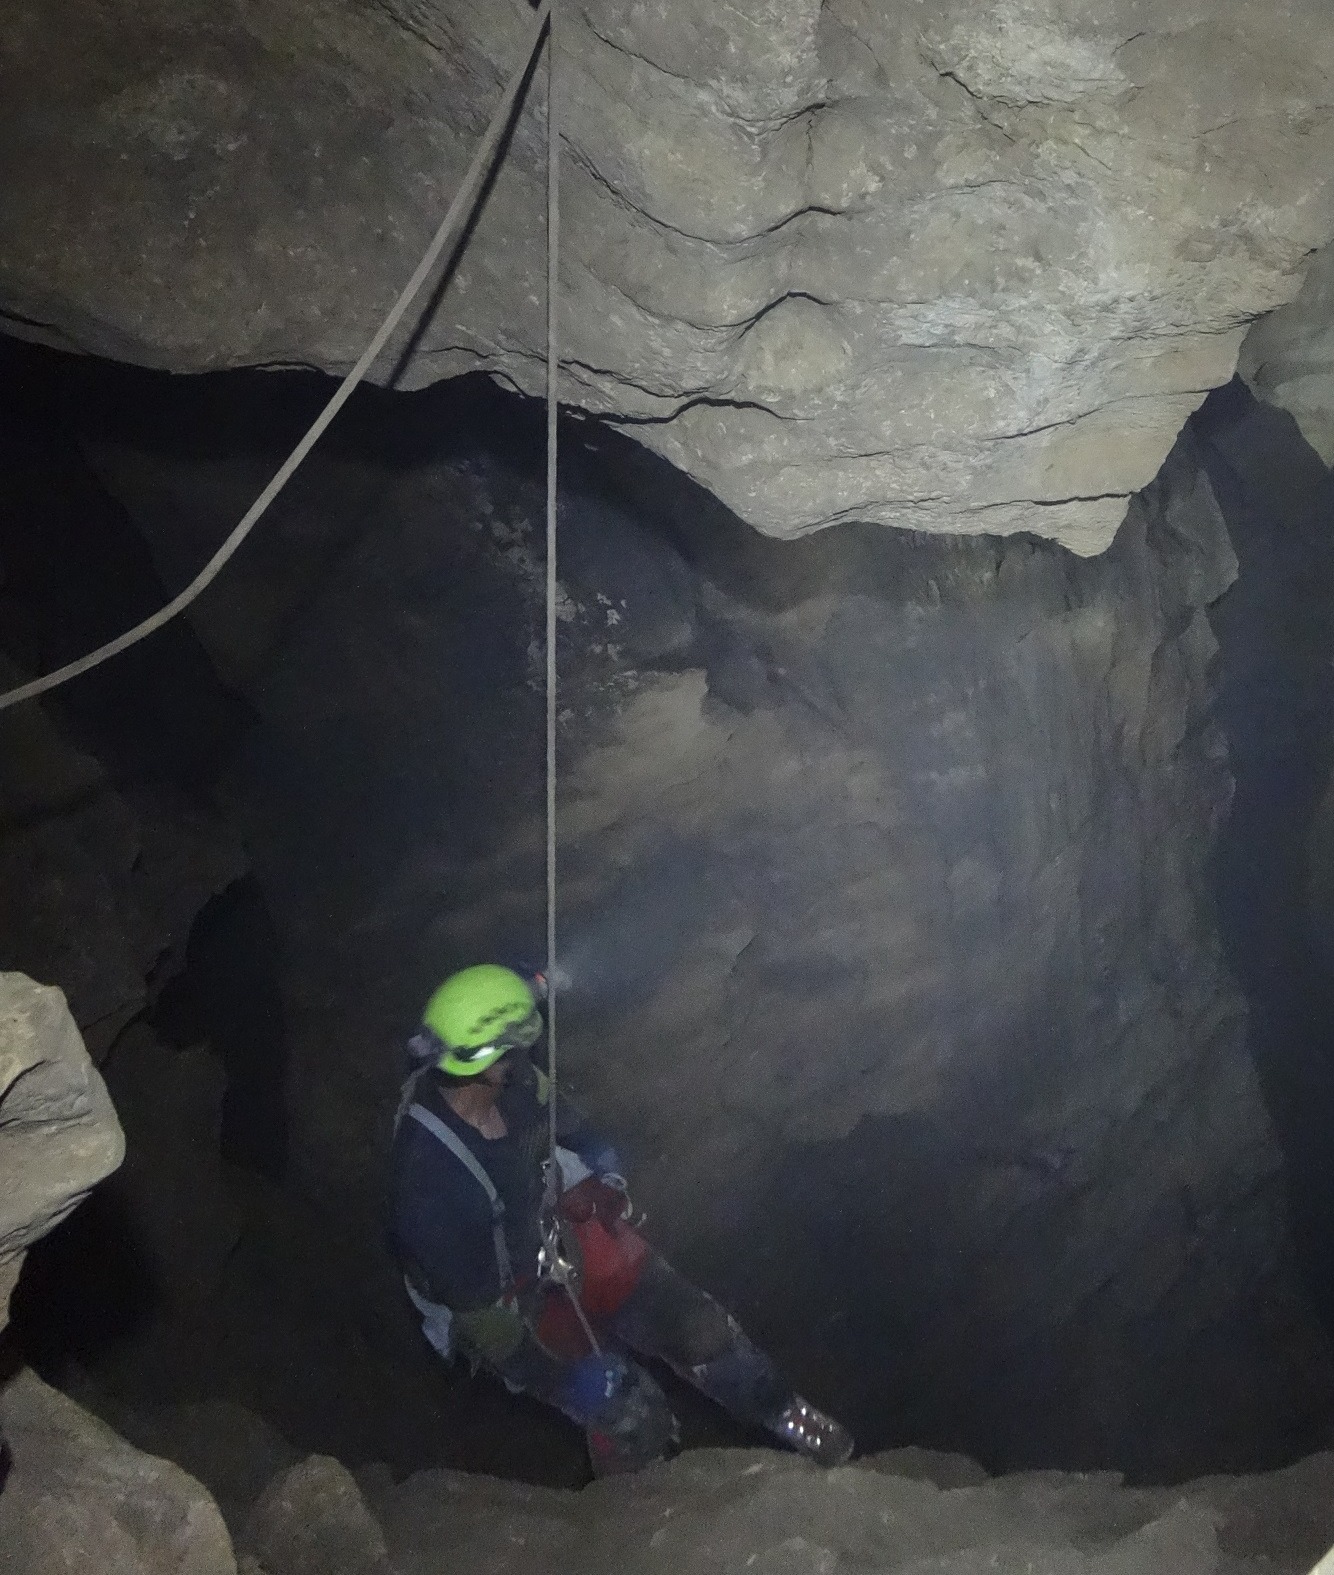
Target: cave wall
[884,868]
[1287,358]
[958,268]
[1276,632]
[109,848]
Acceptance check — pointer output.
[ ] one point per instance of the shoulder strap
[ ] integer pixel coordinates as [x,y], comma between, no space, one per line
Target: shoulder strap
[406,1094]
[465,1156]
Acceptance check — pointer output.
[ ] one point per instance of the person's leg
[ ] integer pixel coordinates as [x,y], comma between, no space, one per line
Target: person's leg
[638,1429]
[625,1416]
[667,1317]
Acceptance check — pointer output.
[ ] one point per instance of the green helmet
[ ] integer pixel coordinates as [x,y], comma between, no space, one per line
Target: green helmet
[478,1015]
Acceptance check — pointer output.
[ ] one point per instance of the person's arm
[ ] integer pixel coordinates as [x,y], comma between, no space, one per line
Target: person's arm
[577,1133]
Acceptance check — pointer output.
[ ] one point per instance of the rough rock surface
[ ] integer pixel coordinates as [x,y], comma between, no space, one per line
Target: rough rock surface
[884,886]
[1288,357]
[105,855]
[80,1501]
[1273,862]
[58,1132]
[957,268]
[733,1512]
[95,890]
[312,1520]
[74,1498]
[233,1452]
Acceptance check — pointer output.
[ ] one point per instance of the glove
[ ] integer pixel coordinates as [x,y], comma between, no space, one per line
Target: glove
[590,1386]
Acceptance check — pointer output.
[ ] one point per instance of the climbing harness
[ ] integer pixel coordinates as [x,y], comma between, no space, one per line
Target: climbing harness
[557,1263]
[454,222]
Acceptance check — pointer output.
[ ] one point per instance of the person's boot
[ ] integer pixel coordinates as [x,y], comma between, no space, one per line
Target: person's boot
[813,1434]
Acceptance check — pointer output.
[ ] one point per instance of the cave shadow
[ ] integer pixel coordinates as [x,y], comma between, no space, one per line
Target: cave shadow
[85,1290]
[75,572]
[1275,630]
[228,994]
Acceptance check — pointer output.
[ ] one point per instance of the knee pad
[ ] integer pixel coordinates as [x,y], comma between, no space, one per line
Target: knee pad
[634,1429]
[701,1332]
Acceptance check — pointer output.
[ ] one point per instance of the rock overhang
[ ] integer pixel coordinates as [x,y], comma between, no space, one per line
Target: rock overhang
[960,269]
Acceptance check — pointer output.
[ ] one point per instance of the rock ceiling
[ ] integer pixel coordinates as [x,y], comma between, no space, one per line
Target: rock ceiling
[952,266]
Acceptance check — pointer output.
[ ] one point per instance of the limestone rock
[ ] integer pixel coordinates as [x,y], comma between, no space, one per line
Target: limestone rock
[927,1465]
[80,1501]
[717,1512]
[106,854]
[233,1452]
[93,892]
[75,1497]
[312,1520]
[963,269]
[1288,357]
[96,883]
[58,1132]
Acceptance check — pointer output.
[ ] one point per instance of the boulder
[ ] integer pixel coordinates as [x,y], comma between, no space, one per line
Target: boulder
[76,1498]
[312,1520]
[58,1131]
[715,1512]
[964,269]
[232,1451]
[80,1501]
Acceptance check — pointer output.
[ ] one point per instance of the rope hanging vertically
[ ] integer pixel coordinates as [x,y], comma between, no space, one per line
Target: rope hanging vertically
[553,365]
[462,208]
[562,1271]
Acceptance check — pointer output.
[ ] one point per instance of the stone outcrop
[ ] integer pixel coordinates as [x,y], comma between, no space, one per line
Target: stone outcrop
[105,853]
[95,890]
[58,1132]
[959,269]
[312,1520]
[741,1511]
[73,1496]
[1288,357]
[79,1499]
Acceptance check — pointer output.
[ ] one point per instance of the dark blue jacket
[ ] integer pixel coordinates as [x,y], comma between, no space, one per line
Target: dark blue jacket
[440,1217]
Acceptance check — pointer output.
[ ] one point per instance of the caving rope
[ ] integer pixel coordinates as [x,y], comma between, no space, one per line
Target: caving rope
[556,1265]
[460,210]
